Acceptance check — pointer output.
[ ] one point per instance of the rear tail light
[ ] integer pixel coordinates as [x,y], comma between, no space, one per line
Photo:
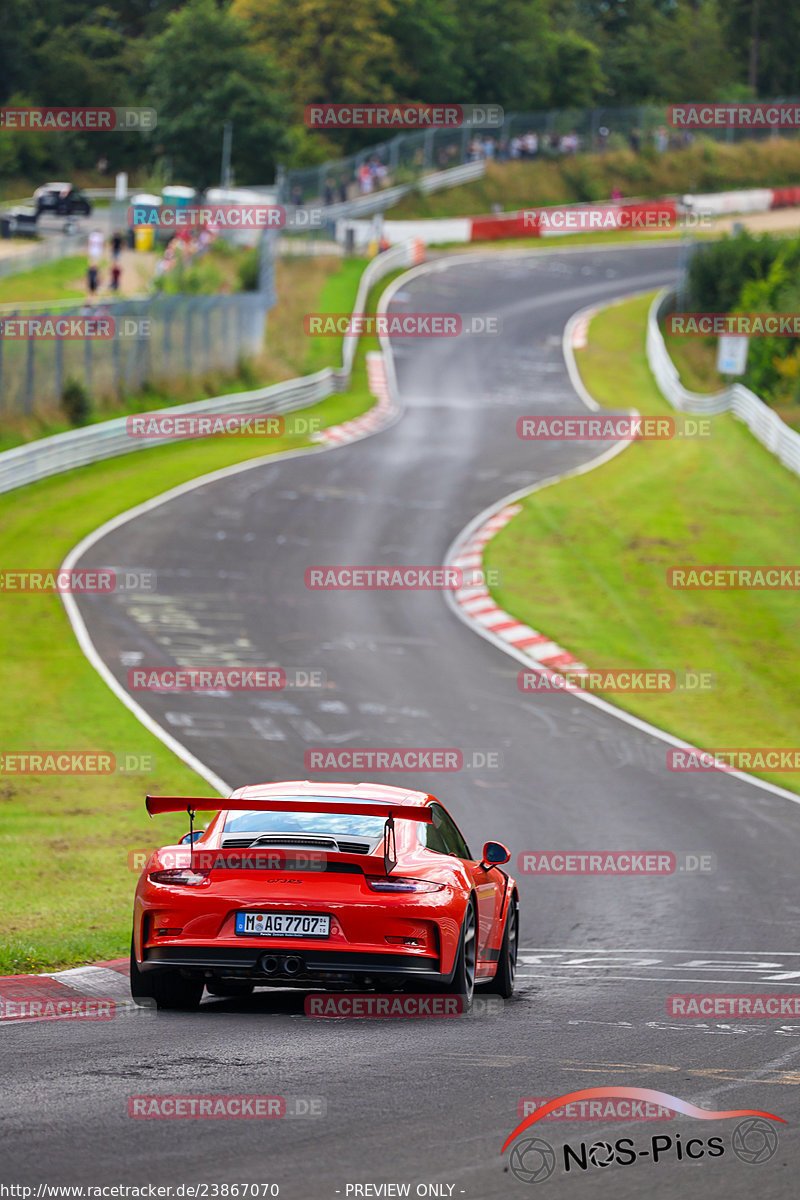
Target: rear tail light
[397,883]
[183,876]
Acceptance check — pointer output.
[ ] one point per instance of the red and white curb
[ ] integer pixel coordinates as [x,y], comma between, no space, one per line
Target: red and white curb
[477,606]
[379,416]
[580,333]
[101,991]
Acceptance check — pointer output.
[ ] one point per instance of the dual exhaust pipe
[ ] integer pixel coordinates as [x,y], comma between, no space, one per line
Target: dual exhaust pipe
[274,964]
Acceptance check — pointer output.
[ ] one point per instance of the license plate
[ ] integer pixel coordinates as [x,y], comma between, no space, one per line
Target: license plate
[283,924]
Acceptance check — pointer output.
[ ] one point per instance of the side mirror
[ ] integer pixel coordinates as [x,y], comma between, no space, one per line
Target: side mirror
[198,833]
[494,853]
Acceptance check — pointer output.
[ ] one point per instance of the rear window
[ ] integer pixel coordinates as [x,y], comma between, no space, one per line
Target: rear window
[335,824]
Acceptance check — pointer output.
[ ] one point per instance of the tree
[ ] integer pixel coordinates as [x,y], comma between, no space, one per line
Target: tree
[15,61]
[505,51]
[202,71]
[765,36]
[575,75]
[426,38]
[333,53]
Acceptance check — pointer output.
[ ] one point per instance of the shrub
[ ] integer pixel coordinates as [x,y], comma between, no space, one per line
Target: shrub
[76,402]
[247,271]
[719,271]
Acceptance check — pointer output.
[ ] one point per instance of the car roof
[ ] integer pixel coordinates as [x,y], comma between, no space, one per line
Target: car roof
[380,792]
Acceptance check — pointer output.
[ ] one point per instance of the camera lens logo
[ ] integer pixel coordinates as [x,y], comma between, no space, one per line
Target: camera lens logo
[601,1154]
[754,1141]
[532,1161]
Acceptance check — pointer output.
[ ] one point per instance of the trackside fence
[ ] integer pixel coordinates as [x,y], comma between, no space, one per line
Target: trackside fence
[760,419]
[161,337]
[107,439]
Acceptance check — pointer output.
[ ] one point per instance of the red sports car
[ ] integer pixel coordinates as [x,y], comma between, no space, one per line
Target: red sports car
[315,885]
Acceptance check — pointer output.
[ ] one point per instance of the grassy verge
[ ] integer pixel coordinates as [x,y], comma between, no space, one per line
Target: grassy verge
[65,888]
[302,285]
[696,360]
[64,279]
[706,166]
[585,560]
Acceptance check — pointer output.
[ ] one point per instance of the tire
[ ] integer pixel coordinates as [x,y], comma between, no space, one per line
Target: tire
[230,991]
[463,981]
[169,989]
[506,972]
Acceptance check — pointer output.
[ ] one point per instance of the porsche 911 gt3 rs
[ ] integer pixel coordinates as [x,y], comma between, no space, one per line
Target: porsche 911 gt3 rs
[330,886]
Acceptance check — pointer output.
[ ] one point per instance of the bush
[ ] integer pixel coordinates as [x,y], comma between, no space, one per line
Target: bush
[719,271]
[247,271]
[198,277]
[246,373]
[76,402]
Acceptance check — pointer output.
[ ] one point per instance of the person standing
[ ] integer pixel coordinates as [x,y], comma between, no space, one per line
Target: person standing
[116,274]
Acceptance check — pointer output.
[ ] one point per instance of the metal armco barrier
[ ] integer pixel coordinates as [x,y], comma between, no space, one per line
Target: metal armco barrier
[107,439]
[760,419]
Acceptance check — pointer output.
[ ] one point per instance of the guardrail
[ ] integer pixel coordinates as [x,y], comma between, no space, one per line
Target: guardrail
[373,202]
[108,439]
[760,419]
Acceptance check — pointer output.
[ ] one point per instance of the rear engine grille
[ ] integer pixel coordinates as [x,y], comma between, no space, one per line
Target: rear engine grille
[318,843]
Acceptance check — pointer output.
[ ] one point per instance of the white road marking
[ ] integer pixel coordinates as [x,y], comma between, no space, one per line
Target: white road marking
[605,964]
[468,532]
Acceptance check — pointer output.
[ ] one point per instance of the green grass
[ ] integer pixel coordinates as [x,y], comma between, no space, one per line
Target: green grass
[706,166]
[60,280]
[65,889]
[585,560]
[696,361]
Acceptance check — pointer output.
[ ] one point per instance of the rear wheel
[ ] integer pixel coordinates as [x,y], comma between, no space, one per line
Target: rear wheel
[463,981]
[507,962]
[168,989]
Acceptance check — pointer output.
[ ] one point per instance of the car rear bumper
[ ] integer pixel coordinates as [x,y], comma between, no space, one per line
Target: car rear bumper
[310,965]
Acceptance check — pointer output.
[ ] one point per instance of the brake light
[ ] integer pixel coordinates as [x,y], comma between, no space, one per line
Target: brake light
[183,876]
[397,883]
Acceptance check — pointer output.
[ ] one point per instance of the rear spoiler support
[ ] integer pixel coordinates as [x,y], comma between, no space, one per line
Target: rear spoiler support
[389,846]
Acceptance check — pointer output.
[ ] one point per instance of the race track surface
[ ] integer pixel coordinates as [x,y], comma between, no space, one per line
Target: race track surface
[431,1102]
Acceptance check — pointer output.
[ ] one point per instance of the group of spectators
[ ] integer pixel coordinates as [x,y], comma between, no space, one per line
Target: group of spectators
[93,277]
[534,145]
[528,145]
[183,248]
[373,173]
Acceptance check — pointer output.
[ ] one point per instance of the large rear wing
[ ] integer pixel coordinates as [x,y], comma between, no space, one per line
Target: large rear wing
[360,808]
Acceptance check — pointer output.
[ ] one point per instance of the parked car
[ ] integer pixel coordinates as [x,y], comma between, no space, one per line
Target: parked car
[18,221]
[62,200]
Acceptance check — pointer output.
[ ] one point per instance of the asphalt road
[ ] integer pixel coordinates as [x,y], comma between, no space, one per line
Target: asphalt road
[431,1102]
